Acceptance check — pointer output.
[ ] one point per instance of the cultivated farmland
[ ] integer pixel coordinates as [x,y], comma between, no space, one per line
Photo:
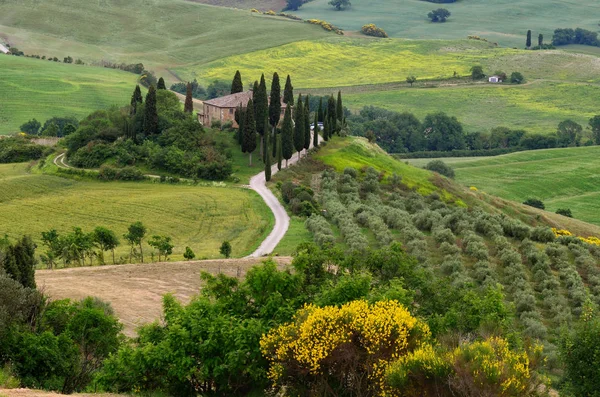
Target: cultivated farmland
[503,21]
[33,88]
[201,217]
[561,178]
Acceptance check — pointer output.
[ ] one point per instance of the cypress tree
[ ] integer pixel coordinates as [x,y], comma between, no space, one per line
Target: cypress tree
[306,124]
[316,131]
[299,126]
[528,42]
[275,108]
[236,84]
[261,111]
[287,136]
[541,40]
[339,110]
[331,114]
[240,116]
[326,129]
[249,145]
[136,99]
[320,113]
[161,84]
[189,102]
[254,88]
[267,160]
[279,155]
[288,92]
[150,113]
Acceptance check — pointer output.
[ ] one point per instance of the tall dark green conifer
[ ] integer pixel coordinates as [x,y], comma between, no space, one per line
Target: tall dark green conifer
[287,135]
[528,41]
[299,126]
[267,159]
[150,113]
[339,110]
[240,118]
[188,107]
[236,84]
[331,114]
[136,99]
[320,113]
[249,145]
[326,129]
[261,111]
[275,109]
[306,123]
[161,84]
[316,131]
[540,40]
[279,154]
[288,92]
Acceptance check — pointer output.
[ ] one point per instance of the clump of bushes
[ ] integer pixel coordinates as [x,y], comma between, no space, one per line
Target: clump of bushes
[300,199]
[565,212]
[441,168]
[109,173]
[372,30]
[20,149]
[536,203]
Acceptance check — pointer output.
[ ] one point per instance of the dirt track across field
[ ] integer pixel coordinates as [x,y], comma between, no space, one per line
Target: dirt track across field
[135,291]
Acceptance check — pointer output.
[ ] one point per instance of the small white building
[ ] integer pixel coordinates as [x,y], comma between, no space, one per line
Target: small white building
[3,49]
[495,79]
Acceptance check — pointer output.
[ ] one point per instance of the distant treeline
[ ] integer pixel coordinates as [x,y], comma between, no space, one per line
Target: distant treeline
[575,36]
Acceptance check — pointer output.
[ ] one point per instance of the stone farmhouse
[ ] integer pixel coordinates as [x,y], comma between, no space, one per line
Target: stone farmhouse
[223,109]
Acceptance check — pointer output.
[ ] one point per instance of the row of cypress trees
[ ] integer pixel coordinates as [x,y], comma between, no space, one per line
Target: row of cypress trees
[262,114]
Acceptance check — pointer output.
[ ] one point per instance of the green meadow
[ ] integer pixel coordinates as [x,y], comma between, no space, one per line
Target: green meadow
[34,88]
[502,21]
[537,107]
[201,217]
[161,34]
[561,178]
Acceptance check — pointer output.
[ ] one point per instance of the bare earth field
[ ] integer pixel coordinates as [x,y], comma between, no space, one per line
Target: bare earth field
[40,393]
[135,291]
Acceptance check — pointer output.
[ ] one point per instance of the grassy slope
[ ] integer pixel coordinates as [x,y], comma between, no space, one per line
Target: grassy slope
[339,61]
[504,21]
[161,34]
[33,88]
[562,178]
[199,217]
[537,107]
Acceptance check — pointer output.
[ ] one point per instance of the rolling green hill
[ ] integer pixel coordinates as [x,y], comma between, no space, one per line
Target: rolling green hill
[561,178]
[33,88]
[195,216]
[160,34]
[503,21]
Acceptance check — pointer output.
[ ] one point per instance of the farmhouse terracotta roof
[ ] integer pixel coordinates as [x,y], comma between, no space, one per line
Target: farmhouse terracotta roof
[233,100]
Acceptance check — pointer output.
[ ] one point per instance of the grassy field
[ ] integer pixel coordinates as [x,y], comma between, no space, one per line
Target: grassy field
[32,88]
[561,178]
[537,107]
[195,216]
[160,33]
[503,21]
[339,61]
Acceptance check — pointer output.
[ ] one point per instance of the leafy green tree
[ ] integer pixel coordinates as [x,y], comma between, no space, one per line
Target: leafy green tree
[306,123]
[443,132]
[332,114]
[516,78]
[275,108]
[189,254]
[51,130]
[225,249]
[595,126]
[528,41]
[288,92]
[217,88]
[477,72]
[106,240]
[163,245]
[32,127]
[299,126]
[52,242]
[287,136]
[188,107]
[411,80]
[439,15]
[236,84]
[568,133]
[249,144]
[161,84]
[151,113]
[340,4]
[316,131]
[134,236]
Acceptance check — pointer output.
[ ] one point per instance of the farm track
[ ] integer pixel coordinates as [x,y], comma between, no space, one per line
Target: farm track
[135,291]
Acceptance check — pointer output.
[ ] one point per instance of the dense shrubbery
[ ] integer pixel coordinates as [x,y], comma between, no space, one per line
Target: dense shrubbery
[536,203]
[441,168]
[300,199]
[372,30]
[20,149]
[575,36]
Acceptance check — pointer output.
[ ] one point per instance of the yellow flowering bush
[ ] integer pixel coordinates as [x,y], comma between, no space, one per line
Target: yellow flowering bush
[589,240]
[255,10]
[561,232]
[270,12]
[473,189]
[325,25]
[372,30]
[351,345]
